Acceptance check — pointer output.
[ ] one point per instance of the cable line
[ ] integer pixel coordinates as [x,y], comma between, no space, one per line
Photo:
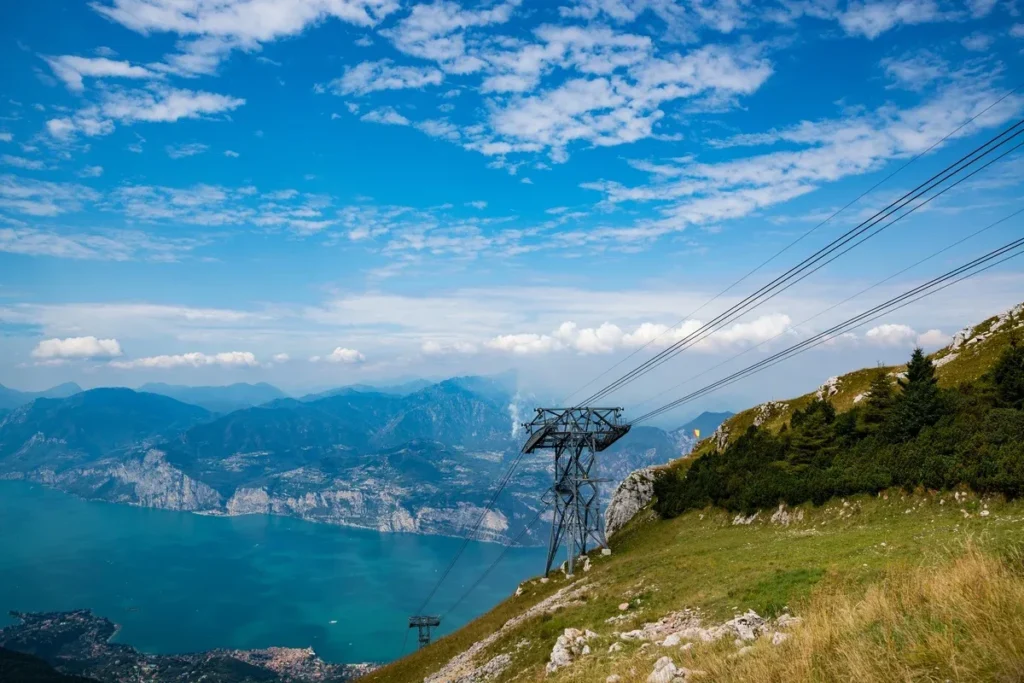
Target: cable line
[786,280]
[1007,251]
[837,305]
[498,559]
[706,334]
[798,239]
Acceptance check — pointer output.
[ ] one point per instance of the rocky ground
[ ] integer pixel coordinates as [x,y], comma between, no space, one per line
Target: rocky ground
[78,643]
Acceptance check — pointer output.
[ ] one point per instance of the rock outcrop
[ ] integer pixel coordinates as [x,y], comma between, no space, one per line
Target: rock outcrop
[631,496]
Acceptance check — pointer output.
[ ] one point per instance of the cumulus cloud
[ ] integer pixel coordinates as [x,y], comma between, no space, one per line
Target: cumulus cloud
[342,355]
[91,172]
[228,359]
[891,335]
[6,137]
[384,75]
[76,347]
[609,337]
[933,339]
[281,357]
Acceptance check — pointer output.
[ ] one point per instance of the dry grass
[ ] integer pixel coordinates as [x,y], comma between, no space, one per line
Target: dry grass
[960,621]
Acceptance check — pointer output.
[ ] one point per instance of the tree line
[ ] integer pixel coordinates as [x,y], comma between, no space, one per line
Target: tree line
[908,434]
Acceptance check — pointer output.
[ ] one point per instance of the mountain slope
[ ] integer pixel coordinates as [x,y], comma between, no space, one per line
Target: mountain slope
[89,425]
[893,585]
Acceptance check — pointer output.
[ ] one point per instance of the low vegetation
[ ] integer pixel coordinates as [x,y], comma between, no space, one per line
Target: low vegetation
[885,512]
[906,433]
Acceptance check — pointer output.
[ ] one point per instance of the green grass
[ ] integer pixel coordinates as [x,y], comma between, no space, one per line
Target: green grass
[702,560]
[846,548]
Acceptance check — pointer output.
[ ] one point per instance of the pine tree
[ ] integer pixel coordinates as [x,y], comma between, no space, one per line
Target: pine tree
[919,404]
[1008,377]
[879,403]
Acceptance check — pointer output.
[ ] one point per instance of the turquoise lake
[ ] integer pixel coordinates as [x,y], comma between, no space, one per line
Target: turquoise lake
[180,582]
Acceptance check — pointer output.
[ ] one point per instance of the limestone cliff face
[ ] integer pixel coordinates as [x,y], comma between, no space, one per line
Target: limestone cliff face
[630,497]
[148,481]
[389,510]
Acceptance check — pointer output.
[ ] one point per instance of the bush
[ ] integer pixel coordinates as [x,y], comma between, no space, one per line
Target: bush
[920,435]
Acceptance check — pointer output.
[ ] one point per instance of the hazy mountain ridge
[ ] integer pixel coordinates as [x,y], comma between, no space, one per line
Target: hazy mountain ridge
[422,462]
[12,398]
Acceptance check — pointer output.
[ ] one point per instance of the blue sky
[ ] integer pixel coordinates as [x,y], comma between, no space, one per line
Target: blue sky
[318,192]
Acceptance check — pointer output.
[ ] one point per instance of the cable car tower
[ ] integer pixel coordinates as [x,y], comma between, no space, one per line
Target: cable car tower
[424,623]
[576,435]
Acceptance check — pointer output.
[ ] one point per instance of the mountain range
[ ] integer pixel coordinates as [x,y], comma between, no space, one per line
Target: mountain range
[420,457]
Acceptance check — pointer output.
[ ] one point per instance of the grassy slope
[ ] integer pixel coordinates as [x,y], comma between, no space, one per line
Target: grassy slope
[703,560]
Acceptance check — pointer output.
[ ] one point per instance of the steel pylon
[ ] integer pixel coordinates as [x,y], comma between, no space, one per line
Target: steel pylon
[576,435]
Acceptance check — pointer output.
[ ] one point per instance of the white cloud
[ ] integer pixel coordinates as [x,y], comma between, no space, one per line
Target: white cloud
[22,162]
[977,42]
[116,245]
[281,357]
[157,104]
[77,347]
[189,150]
[384,75]
[916,72]
[72,70]
[91,172]
[1017,31]
[231,153]
[891,335]
[345,356]
[479,204]
[6,137]
[609,337]
[385,115]
[211,29]
[42,198]
[933,339]
[437,32]
[435,348]
[693,193]
[872,19]
[229,359]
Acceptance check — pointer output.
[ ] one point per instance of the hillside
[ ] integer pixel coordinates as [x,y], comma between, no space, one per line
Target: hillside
[907,582]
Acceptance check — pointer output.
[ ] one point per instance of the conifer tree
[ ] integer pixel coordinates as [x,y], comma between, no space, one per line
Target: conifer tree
[919,404]
[878,404]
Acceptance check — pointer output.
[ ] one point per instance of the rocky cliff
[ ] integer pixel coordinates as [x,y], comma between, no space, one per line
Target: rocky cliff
[631,496]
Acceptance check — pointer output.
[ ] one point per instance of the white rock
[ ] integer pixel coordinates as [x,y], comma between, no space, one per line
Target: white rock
[614,678]
[671,641]
[664,671]
[686,647]
[606,551]
[623,606]
[615,647]
[631,496]
[779,637]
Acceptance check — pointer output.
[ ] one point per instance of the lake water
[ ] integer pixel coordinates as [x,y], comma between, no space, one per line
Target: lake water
[179,582]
